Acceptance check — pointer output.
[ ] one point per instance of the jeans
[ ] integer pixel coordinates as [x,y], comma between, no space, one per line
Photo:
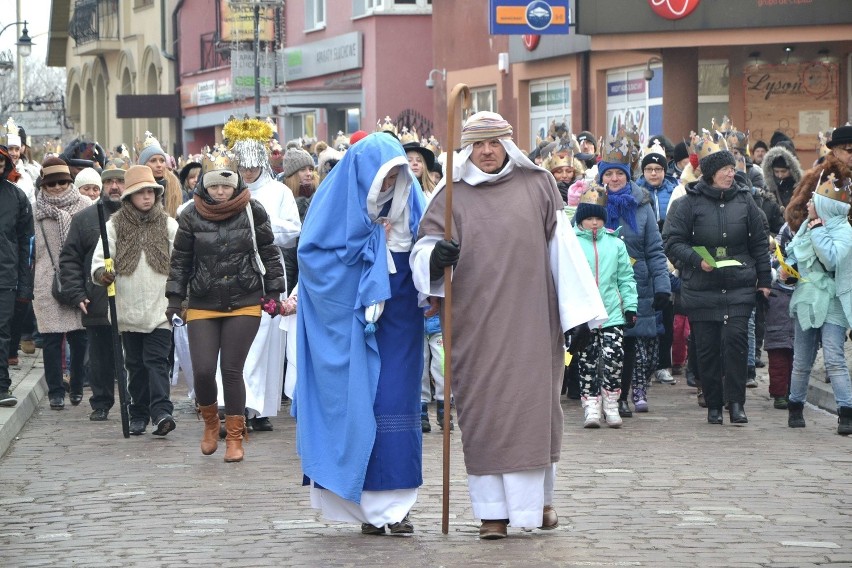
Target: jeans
[721,348]
[101,367]
[805,347]
[146,358]
[52,356]
[7,308]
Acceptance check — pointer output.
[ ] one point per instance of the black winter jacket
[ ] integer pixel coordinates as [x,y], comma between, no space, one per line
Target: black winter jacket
[212,261]
[729,224]
[75,262]
[16,237]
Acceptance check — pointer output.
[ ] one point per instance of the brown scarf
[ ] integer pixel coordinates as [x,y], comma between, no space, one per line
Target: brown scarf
[224,210]
[136,231]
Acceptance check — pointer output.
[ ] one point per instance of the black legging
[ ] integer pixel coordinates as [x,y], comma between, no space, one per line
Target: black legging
[232,336]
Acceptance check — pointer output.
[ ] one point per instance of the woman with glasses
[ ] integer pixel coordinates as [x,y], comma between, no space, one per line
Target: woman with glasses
[715,235]
[57,202]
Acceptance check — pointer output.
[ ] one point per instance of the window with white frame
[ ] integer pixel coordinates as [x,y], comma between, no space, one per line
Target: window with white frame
[483,98]
[370,7]
[314,14]
[550,103]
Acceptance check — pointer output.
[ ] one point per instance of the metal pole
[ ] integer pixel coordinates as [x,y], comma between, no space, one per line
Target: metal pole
[256,59]
[20,61]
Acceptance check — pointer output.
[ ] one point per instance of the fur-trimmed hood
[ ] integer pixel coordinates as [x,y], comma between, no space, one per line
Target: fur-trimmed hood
[793,165]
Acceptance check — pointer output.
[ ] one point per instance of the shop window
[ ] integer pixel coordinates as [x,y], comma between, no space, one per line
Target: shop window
[299,125]
[713,81]
[633,103]
[483,99]
[314,15]
[369,7]
[550,104]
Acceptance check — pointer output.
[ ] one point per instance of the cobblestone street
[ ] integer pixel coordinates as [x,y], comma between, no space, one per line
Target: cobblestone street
[665,490]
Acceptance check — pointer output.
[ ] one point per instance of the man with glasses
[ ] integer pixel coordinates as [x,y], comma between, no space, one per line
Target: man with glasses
[75,263]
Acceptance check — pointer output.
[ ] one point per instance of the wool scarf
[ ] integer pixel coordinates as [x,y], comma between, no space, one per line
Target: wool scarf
[621,205]
[137,231]
[61,207]
[224,210]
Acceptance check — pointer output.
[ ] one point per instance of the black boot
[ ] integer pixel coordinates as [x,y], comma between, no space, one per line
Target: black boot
[794,414]
[424,418]
[624,409]
[440,405]
[844,420]
[714,415]
[737,413]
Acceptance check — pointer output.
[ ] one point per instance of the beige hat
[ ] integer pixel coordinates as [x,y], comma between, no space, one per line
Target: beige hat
[137,178]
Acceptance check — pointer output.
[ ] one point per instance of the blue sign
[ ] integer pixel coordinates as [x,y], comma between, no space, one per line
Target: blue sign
[520,17]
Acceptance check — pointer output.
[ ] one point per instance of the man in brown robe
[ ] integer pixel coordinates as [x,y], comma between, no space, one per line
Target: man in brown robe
[520,280]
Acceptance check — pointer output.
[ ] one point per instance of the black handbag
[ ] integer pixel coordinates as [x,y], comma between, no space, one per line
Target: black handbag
[63,296]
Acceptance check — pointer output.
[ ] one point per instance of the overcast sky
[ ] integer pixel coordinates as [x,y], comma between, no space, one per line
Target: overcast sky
[37,14]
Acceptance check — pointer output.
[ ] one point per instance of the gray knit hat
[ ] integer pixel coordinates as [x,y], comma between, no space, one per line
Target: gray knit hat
[149,152]
[714,162]
[294,160]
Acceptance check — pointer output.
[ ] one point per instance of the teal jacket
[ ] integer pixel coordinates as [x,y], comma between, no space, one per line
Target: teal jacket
[610,263]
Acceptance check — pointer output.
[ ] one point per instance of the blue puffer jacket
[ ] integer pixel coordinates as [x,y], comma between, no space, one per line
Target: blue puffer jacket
[610,264]
[660,196]
[645,247]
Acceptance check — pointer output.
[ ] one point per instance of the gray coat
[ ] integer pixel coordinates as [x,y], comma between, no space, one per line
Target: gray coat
[779,324]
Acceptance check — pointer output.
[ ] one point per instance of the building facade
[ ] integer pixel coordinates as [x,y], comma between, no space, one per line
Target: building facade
[113,49]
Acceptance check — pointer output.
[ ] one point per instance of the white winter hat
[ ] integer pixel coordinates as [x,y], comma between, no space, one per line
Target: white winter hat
[88,176]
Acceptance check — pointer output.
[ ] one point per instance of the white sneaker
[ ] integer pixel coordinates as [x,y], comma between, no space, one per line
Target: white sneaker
[592,411]
[610,407]
[665,377]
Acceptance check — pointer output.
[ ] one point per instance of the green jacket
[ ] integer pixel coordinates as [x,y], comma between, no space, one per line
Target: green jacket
[610,263]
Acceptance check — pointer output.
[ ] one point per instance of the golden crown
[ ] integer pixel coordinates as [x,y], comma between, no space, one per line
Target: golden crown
[705,145]
[829,189]
[619,150]
[407,136]
[386,125]
[594,194]
[558,160]
[217,159]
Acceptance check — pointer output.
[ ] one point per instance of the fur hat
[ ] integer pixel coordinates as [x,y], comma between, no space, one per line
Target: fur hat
[777,137]
[714,162]
[294,160]
[137,178]
[55,170]
[680,152]
[88,176]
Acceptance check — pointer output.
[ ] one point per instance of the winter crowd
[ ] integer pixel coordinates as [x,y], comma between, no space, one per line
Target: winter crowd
[589,267]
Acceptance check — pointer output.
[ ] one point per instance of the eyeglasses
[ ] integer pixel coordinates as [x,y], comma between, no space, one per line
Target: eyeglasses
[55,183]
[728,170]
[654,170]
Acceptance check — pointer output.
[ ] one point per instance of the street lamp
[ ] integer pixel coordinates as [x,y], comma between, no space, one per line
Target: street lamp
[25,42]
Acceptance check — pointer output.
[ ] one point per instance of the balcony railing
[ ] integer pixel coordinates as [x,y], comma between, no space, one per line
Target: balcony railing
[212,53]
[94,20]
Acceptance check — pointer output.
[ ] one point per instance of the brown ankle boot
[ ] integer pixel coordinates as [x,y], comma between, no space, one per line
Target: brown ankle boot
[236,427]
[210,438]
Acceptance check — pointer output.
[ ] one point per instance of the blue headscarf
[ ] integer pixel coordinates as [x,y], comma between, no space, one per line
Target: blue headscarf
[343,268]
[620,204]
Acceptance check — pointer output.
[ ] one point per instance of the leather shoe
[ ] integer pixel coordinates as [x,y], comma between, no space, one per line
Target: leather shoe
[624,409]
[99,415]
[57,402]
[493,529]
[549,518]
[404,526]
[261,424]
[737,414]
[137,426]
[367,528]
[76,398]
[714,415]
[164,425]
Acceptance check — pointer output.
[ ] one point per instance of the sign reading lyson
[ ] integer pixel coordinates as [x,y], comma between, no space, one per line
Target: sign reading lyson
[521,17]
[673,9]
[795,99]
[333,55]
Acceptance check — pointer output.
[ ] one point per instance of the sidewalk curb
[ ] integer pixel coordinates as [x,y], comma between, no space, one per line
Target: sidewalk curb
[31,390]
[821,395]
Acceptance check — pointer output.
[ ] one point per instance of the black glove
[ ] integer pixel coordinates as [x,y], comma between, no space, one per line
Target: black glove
[629,319]
[661,300]
[577,338]
[446,253]
[175,309]
[762,301]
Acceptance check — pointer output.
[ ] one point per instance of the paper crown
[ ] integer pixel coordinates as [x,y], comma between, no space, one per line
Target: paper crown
[341,142]
[433,145]
[830,189]
[558,160]
[823,138]
[387,125]
[703,145]
[737,139]
[13,133]
[619,150]
[594,194]
[219,158]
[407,136]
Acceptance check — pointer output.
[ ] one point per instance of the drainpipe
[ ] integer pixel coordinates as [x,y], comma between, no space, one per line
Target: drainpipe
[176,62]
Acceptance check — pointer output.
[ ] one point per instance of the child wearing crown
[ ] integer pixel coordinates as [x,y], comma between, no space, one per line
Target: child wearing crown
[602,359]
[822,303]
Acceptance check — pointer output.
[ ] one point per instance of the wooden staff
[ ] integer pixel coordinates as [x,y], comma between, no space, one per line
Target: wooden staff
[117,353]
[460,93]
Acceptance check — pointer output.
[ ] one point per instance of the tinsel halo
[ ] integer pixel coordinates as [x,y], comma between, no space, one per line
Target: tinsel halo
[237,130]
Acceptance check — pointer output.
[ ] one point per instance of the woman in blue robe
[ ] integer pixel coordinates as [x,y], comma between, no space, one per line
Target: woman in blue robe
[360,339]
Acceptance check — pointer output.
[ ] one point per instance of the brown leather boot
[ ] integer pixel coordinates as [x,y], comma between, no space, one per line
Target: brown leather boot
[236,427]
[210,438]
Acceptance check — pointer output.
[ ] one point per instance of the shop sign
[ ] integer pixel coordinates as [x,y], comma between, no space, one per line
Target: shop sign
[628,87]
[236,21]
[318,58]
[673,9]
[242,72]
[205,92]
[524,17]
[531,41]
[550,97]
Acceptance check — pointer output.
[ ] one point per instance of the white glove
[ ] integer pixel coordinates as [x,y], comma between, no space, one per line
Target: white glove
[374,312]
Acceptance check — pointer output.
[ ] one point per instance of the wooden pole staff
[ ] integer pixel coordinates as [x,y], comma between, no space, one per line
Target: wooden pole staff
[459,94]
